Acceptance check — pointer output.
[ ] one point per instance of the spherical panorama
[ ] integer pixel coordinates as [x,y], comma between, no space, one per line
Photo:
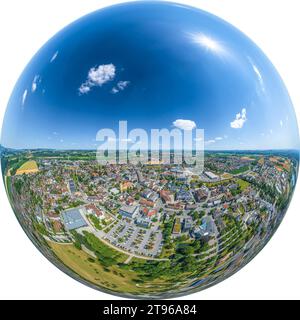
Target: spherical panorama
[149,150]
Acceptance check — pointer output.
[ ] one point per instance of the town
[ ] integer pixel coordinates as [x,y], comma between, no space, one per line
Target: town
[133,218]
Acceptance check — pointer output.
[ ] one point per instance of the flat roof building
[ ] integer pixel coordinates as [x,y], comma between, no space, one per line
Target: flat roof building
[129,211]
[211,175]
[73,219]
[187,225]
[72,186]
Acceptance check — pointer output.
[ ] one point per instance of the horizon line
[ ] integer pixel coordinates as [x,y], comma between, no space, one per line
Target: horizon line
[145,150]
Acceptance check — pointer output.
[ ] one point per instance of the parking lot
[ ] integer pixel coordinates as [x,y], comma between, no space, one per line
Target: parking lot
[128,236]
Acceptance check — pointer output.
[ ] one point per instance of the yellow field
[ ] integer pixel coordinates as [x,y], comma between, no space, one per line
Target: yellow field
[226,175]
[28,167]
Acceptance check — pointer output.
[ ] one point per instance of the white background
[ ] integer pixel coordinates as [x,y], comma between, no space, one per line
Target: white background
[26,25]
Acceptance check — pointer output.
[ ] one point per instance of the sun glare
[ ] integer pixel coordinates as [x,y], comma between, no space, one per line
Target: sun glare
[208,43]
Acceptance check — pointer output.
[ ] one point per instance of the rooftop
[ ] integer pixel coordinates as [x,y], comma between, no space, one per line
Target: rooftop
[73,219]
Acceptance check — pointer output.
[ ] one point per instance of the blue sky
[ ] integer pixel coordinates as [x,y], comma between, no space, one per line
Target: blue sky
[152,64]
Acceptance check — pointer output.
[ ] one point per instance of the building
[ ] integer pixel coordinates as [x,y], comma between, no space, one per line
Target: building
[72,219]
[126,185]
[114,191]
[206,229]
[147,203]
[152,213]
[72,186]
[190,206]
[143,222]
[187,225]
[211,175]
[200,195]
[92,209]
[184,195]
[166,196]
[129,211]
[177,226]
[207,226]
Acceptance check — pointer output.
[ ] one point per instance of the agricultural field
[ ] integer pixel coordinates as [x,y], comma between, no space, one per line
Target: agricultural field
[28,167]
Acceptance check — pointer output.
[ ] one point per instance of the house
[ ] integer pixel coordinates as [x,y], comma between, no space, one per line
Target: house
[114,191]
[126,185]
[147,203]
[92,209]
[166,196]
[200,195]
[152,213]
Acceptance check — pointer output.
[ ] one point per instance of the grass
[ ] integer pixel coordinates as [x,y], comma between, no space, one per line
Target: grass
[28,167]
[90,269]
[115,278]
[95,221]
[243,184]
[242,209]
[240,170]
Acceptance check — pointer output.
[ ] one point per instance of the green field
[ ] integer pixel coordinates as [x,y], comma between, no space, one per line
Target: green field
[243,184]
[240,170]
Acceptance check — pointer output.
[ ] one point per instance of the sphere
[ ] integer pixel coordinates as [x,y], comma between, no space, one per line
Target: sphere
[149,150]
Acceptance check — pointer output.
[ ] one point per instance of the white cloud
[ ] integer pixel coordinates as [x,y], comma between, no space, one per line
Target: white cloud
[219,138]
[36,80]
[54,56]
[24,97]
[114,90]
[84,88]
[121,85]
[271,131]
[97,77]
[210,141]
[240,119]
[281,123]
[184,124]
